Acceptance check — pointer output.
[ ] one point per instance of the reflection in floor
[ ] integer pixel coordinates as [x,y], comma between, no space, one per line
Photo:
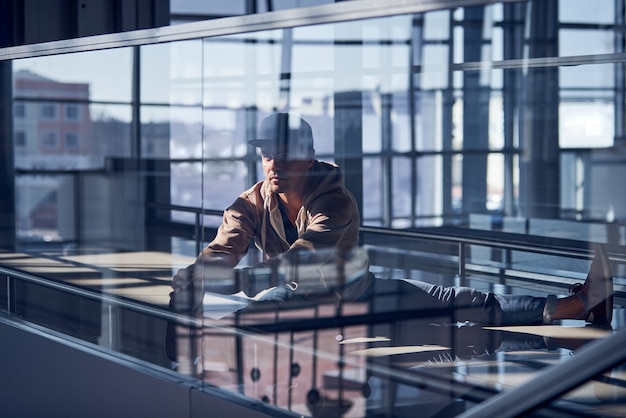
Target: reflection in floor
[397,368]
[361,359]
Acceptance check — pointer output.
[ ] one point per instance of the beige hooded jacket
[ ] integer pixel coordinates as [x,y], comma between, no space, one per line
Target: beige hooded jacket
[328,219]
[327,224]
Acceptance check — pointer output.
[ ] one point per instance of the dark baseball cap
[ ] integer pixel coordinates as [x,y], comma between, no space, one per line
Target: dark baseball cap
[287,134]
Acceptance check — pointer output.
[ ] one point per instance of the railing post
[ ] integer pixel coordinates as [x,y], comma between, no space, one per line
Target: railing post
[8,295]
[462,272]
[198,236]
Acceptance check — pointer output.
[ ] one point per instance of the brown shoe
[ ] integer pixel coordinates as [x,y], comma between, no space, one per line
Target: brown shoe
[597,291]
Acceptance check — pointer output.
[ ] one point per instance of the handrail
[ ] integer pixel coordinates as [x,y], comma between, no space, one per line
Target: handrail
[498,239]
[326,13]
[460,237]
[100,296]
[595,358]
[494,239]
[446,237]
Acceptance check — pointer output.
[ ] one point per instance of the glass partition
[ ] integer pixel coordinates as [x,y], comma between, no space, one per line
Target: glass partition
[482,150]
[436,140]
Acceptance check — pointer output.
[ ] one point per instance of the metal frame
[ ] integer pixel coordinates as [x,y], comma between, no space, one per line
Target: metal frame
[329,13]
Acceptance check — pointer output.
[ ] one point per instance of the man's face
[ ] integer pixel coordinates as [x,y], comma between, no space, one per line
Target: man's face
[285,174]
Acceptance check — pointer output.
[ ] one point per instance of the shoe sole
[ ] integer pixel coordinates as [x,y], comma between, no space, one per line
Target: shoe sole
[602,313]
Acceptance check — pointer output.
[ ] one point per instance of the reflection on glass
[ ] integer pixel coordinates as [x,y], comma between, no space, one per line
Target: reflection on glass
[392,101]
[223,182]
[52,124]
[585,42]
[107,74]
[72,113]
[372,207]
[580,11]
[202,98]
[242,70]
[401,179]
[586,124]
[598,77]
[45,208]
[495,182]
[429,209]
[52,135]
[171,73]
[112,134]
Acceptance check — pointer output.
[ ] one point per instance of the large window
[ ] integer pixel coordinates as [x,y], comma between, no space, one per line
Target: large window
[502,122]
[420,100]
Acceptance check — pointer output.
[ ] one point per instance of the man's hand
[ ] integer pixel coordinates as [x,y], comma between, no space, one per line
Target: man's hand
[187,295]
[182,279]
[280,294]
[190,283]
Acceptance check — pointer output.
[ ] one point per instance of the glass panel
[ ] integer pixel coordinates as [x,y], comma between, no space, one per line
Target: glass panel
[586,118]
[72,115]
[577,11]
[186,178]
[46,208]
[99,132]
[112,133]
[103,76]
[428,198]
[402,193]
[493,172]
[585,42]
[586,125]
[495,182]
[171,73]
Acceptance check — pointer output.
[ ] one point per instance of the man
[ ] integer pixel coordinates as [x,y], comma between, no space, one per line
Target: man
[302,207]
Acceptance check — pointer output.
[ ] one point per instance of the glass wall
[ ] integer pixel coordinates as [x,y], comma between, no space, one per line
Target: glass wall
[506,117]
[438,140]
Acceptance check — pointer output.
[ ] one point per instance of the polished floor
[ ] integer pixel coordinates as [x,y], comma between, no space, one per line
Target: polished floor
[398,367]
[379,356]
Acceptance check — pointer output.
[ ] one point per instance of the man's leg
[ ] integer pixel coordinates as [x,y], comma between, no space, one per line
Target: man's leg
[468,304]
[592,301]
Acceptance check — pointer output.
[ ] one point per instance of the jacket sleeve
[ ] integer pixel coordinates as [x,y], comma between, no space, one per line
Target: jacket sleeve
[238,227]
[332,222]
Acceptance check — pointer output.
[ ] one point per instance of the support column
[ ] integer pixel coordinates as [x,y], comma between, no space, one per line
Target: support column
[7,169]
[348,141]
[539,162]
[475,116]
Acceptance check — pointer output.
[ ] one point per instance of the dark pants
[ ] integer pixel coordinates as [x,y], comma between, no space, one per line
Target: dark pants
[464,303]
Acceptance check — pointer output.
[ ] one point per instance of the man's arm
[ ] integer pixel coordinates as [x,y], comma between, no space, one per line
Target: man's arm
[213,269]
[330,222]
[239,223]
[322,258]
